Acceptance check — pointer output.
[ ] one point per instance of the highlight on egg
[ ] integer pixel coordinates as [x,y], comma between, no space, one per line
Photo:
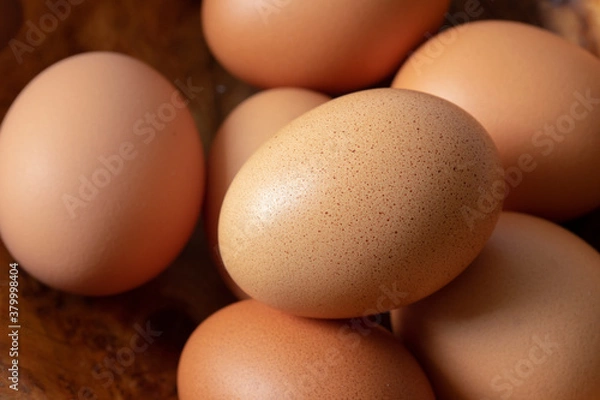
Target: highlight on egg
[101,174]
[244,130]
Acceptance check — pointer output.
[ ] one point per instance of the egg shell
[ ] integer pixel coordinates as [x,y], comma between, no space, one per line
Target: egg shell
[365,203]
[521,323]
[536,94]
[334,46]
[101,174]
[248,126]
[251,351]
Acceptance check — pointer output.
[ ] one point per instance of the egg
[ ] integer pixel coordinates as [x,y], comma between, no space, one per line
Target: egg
[250,124]
[520,323]
[251,351]
[370,201]
[536,94]
[101,174]
[334,46]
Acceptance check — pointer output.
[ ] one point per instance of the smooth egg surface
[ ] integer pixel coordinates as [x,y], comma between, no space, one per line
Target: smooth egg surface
[101,174]
[537,95]
[520,323]
[251,351]
[334,46]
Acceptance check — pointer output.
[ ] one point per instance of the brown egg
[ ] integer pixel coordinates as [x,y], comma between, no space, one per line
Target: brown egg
[536,94]
[101,174]
[521,323]
[251,351]
[370,201]
[250,124]
[333,46]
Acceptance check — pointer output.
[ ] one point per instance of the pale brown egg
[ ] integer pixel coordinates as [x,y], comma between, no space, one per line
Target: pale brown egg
[251,351]
[370,201]
[333,46]
[539,98]
[521,323]
[249,125]
[101,174]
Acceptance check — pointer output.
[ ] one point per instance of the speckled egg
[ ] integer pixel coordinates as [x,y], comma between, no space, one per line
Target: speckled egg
[521,323]
[251,351]
[370,201]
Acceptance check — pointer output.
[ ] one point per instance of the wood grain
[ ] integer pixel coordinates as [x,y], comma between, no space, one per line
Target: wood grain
[73,347]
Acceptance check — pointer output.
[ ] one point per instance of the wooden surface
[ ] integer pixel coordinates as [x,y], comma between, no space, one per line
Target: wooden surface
[72,347]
